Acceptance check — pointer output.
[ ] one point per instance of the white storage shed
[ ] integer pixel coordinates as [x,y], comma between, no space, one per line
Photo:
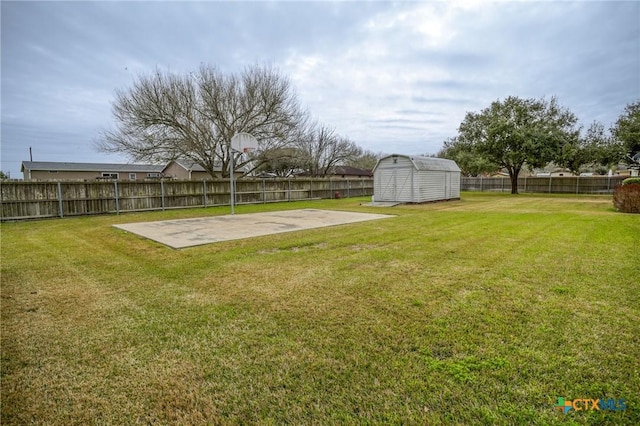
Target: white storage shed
[411,179]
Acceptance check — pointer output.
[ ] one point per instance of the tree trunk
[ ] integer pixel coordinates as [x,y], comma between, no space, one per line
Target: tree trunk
[513,175]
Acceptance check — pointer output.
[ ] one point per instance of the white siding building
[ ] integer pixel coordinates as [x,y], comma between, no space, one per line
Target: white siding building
[411,179]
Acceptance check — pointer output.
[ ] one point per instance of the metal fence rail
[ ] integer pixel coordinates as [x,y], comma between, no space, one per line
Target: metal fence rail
[32,200]
[548,184]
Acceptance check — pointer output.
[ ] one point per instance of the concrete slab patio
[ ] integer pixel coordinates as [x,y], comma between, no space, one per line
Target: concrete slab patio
[193,232]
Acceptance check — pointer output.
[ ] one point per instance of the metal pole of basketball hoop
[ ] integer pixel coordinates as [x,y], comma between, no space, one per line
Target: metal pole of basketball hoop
[232,180]
[240,142]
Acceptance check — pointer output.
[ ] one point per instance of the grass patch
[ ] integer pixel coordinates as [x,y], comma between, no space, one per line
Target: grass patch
[478,311]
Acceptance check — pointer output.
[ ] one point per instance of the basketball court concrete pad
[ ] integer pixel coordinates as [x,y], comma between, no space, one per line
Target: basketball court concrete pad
[183,233]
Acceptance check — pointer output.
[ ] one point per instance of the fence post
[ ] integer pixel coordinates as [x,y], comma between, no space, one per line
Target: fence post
[525,184]
[115,188]
[348,188]
[550,184]
[162,194]
[264,195]
[577,183]
[204,192]
[480,183]
[60,208]
[330,189]
[310,188]
[502,184]
[289,192]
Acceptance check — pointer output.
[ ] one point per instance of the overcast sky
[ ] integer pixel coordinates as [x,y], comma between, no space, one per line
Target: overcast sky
[395,77]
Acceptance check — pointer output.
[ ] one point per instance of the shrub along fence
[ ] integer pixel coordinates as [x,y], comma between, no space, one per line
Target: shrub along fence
[31,200]
[548,184]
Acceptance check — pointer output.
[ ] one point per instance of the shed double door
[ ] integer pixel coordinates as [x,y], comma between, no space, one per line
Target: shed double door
[395,185]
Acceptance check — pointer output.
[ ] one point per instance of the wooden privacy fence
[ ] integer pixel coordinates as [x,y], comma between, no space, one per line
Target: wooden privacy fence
[548,184]
[30,200]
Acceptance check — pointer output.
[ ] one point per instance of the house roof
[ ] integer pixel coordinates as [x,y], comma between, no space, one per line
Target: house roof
[89,167]
[351,171]
[427,163]
[192,166]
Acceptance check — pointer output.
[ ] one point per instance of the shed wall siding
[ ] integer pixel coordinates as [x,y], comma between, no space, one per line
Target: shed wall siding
[454,191]
[431,186]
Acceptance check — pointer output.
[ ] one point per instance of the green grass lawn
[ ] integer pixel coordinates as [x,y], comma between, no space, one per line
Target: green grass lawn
[479,311]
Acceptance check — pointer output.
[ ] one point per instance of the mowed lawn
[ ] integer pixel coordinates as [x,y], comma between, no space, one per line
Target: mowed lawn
[479,311]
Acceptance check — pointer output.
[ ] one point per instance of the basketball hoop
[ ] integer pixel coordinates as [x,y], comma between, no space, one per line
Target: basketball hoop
[243,143]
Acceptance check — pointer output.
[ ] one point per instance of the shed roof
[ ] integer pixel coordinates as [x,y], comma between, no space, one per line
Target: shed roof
[426,163]
[90,167]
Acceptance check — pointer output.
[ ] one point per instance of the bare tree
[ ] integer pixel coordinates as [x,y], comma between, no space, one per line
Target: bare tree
[367,160]
[323,149]
[166,116]
[282,162]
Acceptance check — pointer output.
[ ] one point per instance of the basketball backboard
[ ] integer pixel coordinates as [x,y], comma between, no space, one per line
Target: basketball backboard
[244,142]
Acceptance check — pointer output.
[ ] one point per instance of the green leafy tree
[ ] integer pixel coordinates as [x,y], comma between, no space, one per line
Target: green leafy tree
[605,150]
[518,132]
[3,175]
[595,148]
[627,131]
[465,155]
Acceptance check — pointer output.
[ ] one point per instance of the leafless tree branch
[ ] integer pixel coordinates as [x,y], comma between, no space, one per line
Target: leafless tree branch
[165,116]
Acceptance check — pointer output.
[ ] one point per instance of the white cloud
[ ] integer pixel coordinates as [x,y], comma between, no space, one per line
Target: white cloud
[364,83]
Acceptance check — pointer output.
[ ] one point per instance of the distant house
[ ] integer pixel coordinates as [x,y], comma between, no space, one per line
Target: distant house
[48,170]
[189,170]
[562,172]
[176,169]
[624,170]
[553,172]
[351,172]
[345,172]
[186,170]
